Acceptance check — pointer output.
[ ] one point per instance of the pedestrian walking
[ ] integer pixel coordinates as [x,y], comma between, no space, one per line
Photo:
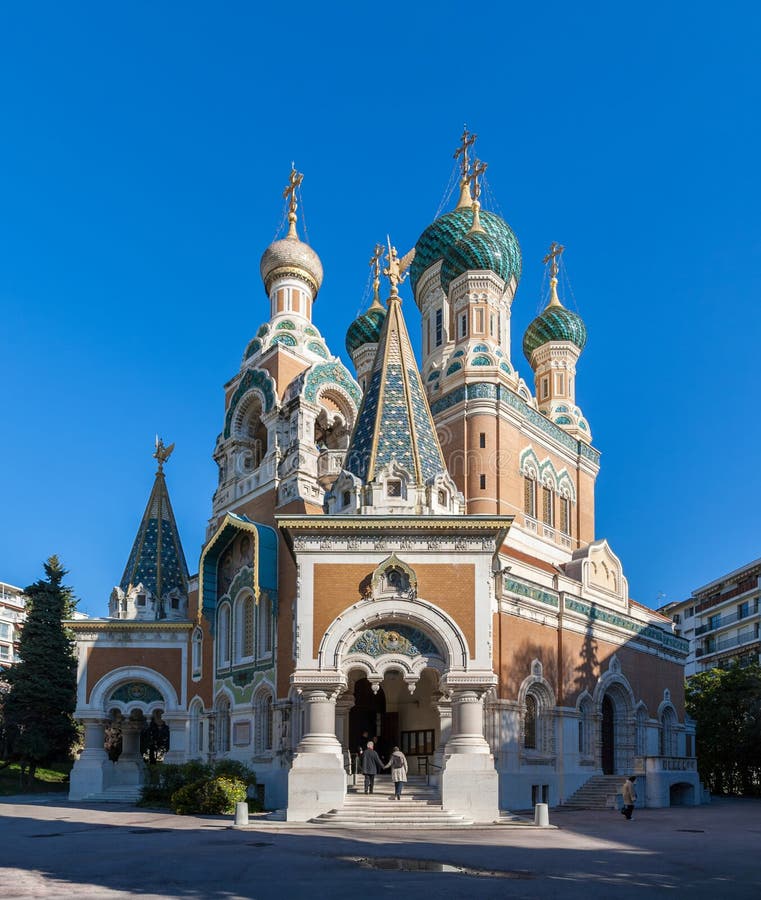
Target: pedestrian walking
[630,796]
[398,766]
[371,764]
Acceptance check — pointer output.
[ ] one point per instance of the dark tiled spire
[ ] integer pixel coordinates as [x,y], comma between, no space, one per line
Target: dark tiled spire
[395,421]
[157,560]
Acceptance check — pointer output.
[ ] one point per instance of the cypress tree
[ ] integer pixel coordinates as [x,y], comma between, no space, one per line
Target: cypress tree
[43,686]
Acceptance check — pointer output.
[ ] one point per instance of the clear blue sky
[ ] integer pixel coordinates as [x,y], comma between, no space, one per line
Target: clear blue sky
[143,155]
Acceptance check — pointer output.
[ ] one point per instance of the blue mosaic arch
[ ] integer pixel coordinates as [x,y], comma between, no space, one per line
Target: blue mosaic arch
[401,640]
[254,378]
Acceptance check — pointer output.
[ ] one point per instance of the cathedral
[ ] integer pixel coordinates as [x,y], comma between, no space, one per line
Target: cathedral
[406,551]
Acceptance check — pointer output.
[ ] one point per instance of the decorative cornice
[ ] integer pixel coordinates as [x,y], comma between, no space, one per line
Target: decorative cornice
[81,625]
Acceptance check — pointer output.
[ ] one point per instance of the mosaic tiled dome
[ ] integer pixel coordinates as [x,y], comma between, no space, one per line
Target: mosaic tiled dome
[291,256]
[365,329]
[555,323]
[440,235]
[477,250]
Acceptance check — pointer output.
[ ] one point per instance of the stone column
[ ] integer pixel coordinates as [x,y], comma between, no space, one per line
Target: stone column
[92,773]
[442,703]
[469,781]
[129,769]
[178,737]
[317,780]
[344,705]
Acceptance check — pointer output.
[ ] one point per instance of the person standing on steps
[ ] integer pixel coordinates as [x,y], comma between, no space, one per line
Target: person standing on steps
[398,766]
[371,764]
[630,796]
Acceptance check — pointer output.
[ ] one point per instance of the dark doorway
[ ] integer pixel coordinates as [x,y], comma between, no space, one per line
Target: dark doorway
[367,714]
[608,736]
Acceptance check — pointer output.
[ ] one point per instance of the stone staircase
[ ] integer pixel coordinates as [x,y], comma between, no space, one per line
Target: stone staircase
[420,807]
[599,792]
[118,794]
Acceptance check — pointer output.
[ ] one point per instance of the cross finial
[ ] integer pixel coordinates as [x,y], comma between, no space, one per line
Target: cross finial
[289,194]
[553,254]
[466,142]
[162,453]
[479,168]
[375,261]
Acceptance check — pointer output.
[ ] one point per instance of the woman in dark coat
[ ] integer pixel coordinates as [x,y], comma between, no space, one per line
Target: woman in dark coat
[371,765]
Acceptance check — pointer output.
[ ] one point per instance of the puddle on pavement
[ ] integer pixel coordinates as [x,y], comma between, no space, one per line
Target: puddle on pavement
[399,864]
[150,830]
[259,844]
[692,830]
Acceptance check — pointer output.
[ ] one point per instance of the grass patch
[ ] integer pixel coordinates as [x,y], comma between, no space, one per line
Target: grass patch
[53,778]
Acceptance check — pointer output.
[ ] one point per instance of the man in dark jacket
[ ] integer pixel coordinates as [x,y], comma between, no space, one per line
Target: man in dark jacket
[371,765]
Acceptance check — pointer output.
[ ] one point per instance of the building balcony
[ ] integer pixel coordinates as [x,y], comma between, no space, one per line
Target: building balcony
[736,640]
[729,619]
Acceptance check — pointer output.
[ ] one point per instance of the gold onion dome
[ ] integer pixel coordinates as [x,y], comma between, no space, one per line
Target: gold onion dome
[291,256]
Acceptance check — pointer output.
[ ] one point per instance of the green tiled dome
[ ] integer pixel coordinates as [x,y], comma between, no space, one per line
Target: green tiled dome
[556,323]
[477,250]
[365,329]
[440,235]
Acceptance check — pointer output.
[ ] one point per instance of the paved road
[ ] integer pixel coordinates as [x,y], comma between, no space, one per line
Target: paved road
[57,849]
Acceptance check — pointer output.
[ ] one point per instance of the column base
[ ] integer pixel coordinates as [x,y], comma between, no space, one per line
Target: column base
[470,786]
[316,784]
[91,774]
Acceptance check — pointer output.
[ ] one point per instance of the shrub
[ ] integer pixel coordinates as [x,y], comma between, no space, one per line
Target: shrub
[231,768]
[210,796]
[164,780]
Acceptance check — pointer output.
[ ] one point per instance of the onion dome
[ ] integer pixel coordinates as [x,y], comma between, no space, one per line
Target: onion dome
[366,329]
[447,230]
[477,250]
[291,256]
[555,323]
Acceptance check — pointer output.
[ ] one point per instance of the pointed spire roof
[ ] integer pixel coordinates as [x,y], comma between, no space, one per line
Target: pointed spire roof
[157,560]
[395,420]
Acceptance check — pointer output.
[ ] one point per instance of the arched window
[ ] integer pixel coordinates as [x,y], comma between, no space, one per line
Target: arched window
[263,721]
[264,636]
[222,729]
[197,653]
[529,728]
[223,635]
[529,496]
[641,731]
[586,744]
[668,736]
[254,433]
[244,628]
[196,729]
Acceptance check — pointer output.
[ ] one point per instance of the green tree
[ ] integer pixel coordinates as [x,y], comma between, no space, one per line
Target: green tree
[39,706]
[726,706]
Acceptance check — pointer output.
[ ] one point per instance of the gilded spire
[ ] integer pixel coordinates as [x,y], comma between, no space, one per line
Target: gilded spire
[462,153]
[552,257]
[289,194]
[375,261]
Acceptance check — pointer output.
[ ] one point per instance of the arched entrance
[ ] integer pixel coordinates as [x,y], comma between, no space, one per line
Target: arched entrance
[367,718]
[617,726]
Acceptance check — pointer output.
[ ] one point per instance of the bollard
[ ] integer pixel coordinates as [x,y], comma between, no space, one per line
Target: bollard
[241,813]
[542,815]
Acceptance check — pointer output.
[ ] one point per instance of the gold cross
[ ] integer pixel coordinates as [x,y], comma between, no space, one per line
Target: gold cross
[294,182]
[466,142]
[476,172]
[552,257]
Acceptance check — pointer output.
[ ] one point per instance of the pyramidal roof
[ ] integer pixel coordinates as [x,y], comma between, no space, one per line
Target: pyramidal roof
[395,422]
[157,560]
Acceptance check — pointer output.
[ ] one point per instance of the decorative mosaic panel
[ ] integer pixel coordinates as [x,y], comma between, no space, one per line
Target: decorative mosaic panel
[318,348]
[136,690]
[286,325]
[330,373]
[399,639]
[524,590]
[254,347]
[652,632]
[254,378]
[287,340]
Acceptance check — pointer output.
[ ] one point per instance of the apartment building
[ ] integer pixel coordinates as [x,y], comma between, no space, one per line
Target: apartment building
[721,620]
[12,617]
